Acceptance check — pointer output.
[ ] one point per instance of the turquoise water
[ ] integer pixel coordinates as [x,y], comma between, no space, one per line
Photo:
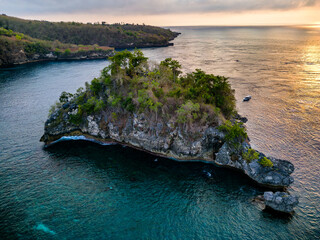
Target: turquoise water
[85,191]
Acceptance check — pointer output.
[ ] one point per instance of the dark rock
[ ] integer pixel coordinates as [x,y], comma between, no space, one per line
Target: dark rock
[280,201]
[165,138]
[66,105]
[277,176]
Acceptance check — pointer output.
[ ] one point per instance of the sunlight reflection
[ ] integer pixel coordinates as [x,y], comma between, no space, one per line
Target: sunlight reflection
[312,64]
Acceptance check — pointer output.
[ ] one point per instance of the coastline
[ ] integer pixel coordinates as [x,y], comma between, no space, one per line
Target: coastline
[111,142]
[53,58]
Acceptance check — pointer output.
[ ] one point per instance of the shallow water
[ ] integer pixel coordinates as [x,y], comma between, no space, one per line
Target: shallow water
[85,191]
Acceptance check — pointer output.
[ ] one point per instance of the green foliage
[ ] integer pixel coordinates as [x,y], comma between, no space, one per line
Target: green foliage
[57,52]
[144,99]
[250,155]
[235,133]
[67,52]
[95,86]
[176,92]
[126,61]
[6,32]
[36,48]
[265,162]
[188,112]
[130,84]
[210,89]
[114,100]
[76,118]
[158,92]
[88,107]
[116,35]
[128,104]
[93,105]
[99,105]
[65,97]
[174,65]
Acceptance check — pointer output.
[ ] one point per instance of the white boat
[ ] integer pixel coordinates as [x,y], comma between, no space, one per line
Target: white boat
[247,98]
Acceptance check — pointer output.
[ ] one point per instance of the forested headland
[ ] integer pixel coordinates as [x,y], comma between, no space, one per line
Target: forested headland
[103,34]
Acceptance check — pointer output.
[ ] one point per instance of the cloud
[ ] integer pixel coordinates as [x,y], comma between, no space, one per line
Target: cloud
[146,7]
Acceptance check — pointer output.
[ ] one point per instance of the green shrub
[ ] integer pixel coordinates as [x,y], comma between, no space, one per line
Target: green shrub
[188,112]
[265,162]
[67,52]
[158,92]
[250,155]
[235,133]
[36,48]
[99,105]
[144,100]
[128,104]
[95,86]
[65,97]
[76,118]
[88,107]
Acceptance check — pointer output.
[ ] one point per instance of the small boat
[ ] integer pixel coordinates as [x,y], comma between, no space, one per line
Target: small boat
[247,98]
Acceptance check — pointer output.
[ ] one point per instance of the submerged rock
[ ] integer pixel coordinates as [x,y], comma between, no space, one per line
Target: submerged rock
[280,201]
[44,228]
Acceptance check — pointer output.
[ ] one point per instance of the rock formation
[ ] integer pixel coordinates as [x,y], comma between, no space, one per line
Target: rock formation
[147,109]
[280,201]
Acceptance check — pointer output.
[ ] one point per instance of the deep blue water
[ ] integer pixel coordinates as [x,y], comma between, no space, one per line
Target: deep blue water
[84,191]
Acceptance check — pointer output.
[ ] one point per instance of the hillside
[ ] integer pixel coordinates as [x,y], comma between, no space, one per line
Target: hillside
[112,35]
[18,48]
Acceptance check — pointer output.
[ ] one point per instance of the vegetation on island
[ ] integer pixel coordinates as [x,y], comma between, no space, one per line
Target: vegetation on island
[131,84]
[112,35]
[265,162]
[251,155]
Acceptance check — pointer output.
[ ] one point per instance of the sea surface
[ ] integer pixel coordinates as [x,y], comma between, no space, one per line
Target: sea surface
[79,190]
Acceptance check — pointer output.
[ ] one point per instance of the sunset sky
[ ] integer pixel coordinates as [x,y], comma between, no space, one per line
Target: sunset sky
[169,12]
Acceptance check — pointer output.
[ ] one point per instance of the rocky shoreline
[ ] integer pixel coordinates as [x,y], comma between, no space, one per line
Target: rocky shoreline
[20,57]
[167,141]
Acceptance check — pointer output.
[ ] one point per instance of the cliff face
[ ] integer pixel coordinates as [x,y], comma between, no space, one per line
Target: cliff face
[143,132]
[140,131]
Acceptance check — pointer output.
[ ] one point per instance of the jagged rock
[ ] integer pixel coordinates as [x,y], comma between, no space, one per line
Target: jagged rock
[166,139]
[280,201]
[276,176]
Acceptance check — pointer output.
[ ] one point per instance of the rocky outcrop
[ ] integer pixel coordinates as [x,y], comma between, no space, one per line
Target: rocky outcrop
[142,131]
[138,131]
[276,176]
[280,201]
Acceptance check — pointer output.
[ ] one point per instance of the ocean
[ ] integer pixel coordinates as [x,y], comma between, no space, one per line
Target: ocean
[86,191]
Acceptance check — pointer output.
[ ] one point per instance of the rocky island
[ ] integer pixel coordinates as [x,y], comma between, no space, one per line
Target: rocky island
[152,107]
